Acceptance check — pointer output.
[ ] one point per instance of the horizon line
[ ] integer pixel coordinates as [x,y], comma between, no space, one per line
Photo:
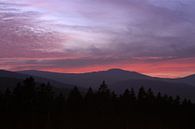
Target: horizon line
[103,70]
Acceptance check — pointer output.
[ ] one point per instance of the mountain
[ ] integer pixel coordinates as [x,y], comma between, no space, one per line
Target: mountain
[6,82]
[165,87]
[189,80]
[9,74]
[91,79]
[9,79]
[119,80]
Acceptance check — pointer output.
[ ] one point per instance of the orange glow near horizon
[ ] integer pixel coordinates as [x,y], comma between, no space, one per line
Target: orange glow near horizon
[165,69]
[152,37]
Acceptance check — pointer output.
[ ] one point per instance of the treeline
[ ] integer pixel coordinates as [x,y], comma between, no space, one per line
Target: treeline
[35,106]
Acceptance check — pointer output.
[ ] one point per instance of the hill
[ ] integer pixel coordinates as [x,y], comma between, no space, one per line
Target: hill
[10,79]
[119,80]
[189,80]
[91,79]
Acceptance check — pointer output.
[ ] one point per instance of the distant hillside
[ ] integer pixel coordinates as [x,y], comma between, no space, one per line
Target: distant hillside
[170,88]
[119,80]
[6,82]
[10,79]
[189,80]
[9,74]
[89,79]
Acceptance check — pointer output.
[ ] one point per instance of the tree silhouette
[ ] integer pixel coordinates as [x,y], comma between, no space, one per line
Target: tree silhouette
[142,96]
[74,99]
[89,98]
[37,106]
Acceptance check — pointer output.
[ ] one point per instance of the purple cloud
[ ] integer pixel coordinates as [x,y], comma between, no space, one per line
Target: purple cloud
[78,33]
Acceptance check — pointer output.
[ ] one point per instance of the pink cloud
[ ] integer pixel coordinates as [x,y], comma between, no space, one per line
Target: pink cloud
[83,36]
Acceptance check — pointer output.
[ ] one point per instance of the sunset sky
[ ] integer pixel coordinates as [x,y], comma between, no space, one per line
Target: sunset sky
[154,37]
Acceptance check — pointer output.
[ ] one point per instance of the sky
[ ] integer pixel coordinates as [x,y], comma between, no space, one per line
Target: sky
[154,37]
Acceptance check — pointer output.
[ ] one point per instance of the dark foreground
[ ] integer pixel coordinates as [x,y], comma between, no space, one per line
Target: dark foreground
[33,106]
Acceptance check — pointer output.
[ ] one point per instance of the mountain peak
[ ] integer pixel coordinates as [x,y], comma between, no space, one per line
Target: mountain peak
[188,77]
[193,75]
[1,70]
[29,71]
[117,70]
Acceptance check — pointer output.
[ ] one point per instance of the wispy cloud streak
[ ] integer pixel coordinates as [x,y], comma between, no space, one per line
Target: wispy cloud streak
[76,34]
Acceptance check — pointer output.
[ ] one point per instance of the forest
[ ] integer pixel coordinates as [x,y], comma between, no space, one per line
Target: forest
[38,106]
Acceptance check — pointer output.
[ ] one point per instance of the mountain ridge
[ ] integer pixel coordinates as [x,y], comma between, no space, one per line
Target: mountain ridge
[89,78]
[110,75]
[108,70]
[116,79]
[5,76]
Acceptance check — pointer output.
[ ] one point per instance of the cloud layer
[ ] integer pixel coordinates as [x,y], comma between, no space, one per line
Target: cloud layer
[148,36]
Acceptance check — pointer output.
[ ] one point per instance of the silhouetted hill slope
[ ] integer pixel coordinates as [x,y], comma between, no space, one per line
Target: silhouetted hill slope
[10,83]
[170,88]
[89,79]
[111,76]
[9,74]
[189,80]
[119,80]
[9,79]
